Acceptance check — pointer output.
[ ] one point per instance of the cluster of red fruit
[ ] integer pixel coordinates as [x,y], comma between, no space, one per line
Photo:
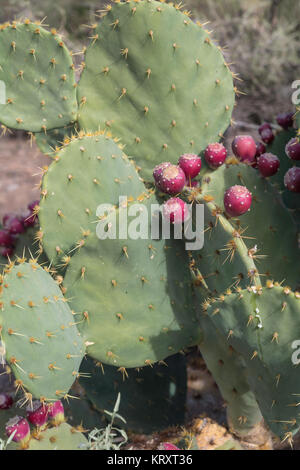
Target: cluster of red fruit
[13,226]
[172,179]
[38,414]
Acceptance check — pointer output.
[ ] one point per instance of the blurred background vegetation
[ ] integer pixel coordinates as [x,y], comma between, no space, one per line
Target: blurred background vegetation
[261,38]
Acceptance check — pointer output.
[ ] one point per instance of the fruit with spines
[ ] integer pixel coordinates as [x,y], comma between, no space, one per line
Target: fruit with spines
[21,429]
[267,136]
[190,164]
[56,413]
[268,164]
[264,126]
[244,148]
[292,179]
[175,210]
[237,200]
[215,155]
[293,149]
[172,180]
[37,414]
[157,172]
[285,120]
[6,401]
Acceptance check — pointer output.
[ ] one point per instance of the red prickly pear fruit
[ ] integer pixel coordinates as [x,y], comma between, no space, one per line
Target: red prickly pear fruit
[37,414]
[260,149]
[33,205]
[13,223]
[285,120]
[267,136]
[172,180]
[6,401]
[168,446]
[190,164]
[20,426]
[157,172]
[175,210]
[215,155]
[29,220]
[6,239]
[194,184]
[264,126]
[237,200]
[292,179]
[56,413]
[6,252]
[292,149]
[268,164]
[244,148]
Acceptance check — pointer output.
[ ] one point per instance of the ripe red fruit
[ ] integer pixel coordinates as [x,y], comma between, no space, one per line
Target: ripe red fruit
[168,446]
[56,413]
[175,210]
[215,155]
[267,136]
[285,120]
[37,414]
[264,126]
[32,205]
[268,164]
[190,164]
[172,180]
[244,148]
[13,223]
[260,149]
[292,179]
[237,200]
[194,184]
[6,401]
[21,427]
[29,219]
[292,149]
[157,172]
[6,239]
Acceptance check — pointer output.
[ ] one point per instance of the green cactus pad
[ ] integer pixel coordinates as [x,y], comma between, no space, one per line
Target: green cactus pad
[51,141]
[229,371]
[262,326]
[87,172]
[156,79]
[42,344]
[38,76]
[133,297]
[152,399]
[269,225]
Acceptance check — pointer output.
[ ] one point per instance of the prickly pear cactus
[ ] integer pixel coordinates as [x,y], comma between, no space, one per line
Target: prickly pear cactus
[258,324]
[137,67]
[51,141]
[37,322]
[260,231]
[152,399]
[63,437]
[37,76]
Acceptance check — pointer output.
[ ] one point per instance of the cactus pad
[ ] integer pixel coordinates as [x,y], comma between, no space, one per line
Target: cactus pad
[157,81]
[38,76]
[133,298]
[42,344]
[87,172]
[262,326]
[152,399]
